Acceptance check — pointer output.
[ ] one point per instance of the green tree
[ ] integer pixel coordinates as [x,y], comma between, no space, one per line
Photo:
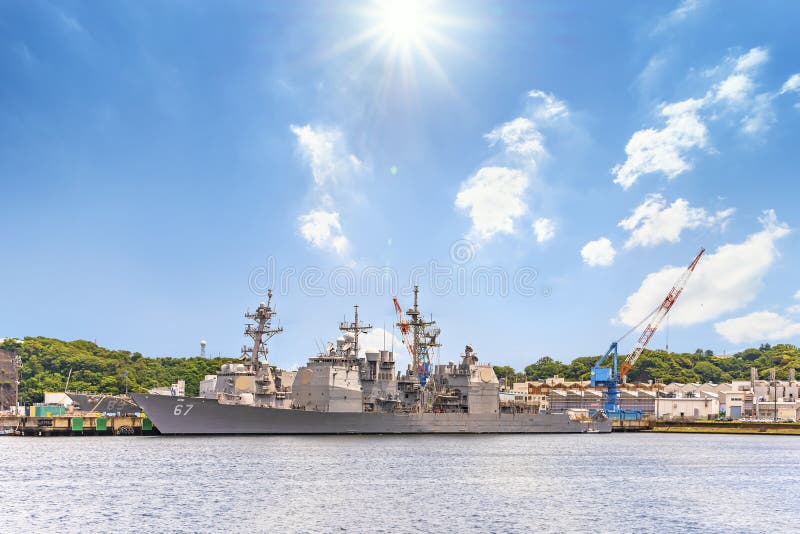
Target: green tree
[504,371]
[545,367]
[579,369]
[708,372]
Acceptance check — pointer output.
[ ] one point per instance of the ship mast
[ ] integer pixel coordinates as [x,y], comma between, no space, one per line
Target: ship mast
[355,327]
[261,333]
[423,337]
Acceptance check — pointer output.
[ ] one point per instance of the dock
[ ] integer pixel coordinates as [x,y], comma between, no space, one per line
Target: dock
[726,427]
[631,425]
[78,425]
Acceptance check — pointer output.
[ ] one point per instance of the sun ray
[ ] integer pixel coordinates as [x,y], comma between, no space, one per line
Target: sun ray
[402,46]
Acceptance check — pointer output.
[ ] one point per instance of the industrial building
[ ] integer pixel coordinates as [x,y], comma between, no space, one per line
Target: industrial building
[177,389]
[740,399]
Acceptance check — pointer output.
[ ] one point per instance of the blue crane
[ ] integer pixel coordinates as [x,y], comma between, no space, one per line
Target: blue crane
[610,377]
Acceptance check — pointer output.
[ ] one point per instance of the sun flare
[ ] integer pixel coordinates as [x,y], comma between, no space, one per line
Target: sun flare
[404,21]
[409,38]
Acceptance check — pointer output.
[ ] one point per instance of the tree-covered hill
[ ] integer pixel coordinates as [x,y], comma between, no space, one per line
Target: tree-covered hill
[46,364]
[700,366]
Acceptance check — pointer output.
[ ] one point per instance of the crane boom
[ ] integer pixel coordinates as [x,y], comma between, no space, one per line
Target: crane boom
[405,331]
[659,316]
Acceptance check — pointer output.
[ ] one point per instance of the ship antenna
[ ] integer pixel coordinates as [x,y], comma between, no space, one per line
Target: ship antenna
[355,327]
[355,323]
[260,332]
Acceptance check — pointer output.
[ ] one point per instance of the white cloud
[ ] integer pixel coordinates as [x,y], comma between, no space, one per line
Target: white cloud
[791,85]
[795,308]
[761,116]
[495,196]
[545,229]
[374,341]
[522,136]
[680,13]
[494,199]
[753,58]
[737,92]
[323,230]
[519,136]
[735,88]
[599,252]
[326,153]
[723,282]
[664,151]
[685,8]
[653,222]
[548,107]
[331,163]
[757,327]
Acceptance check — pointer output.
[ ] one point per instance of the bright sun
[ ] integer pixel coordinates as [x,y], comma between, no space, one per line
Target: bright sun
[405,36]
[405,21]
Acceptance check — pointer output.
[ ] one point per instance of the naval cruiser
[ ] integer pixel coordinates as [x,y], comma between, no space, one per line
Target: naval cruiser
[341,392]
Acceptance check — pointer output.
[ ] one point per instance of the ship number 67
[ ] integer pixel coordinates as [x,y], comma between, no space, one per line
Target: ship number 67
[182,409]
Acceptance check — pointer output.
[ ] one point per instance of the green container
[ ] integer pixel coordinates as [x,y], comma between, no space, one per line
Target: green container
[47,411]
[77,424]
[101,424]
[147,424]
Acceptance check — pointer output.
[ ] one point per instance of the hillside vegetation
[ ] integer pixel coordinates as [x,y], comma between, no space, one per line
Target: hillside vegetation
[46,364]
[699,366]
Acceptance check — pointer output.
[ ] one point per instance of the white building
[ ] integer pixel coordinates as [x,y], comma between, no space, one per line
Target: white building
[688,407]
[57,397]
[174,390]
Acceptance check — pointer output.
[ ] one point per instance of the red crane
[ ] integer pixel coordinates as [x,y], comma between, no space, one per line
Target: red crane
[658,316]
[609,377]
[402,322]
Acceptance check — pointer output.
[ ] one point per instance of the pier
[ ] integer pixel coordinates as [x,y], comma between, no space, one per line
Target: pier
[726,427]
[78,425]
[631,425]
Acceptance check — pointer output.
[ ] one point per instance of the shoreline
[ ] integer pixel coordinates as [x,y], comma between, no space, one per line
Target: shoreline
[717,427]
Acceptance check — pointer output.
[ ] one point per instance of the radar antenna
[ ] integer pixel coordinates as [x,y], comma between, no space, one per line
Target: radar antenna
[261,333]
[355,328]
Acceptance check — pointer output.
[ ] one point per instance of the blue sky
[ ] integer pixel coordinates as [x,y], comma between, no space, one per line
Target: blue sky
[162,163]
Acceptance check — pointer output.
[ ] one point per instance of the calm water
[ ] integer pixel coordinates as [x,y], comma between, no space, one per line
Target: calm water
[617,482]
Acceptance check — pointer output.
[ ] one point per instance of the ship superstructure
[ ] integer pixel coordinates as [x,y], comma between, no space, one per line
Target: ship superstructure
[252,381]
[340,390]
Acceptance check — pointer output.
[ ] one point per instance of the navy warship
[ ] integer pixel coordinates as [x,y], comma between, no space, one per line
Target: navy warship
[340,392]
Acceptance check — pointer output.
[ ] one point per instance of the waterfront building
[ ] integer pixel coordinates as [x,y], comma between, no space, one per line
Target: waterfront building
[739,399]
[690,407]
[177,389]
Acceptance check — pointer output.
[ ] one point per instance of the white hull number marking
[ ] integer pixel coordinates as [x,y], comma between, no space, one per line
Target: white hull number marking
[182,409]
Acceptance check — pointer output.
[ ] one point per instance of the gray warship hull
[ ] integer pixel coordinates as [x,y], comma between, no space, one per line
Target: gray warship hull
[185,415]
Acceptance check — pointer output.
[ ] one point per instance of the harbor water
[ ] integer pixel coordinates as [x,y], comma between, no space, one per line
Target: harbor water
[487,483]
